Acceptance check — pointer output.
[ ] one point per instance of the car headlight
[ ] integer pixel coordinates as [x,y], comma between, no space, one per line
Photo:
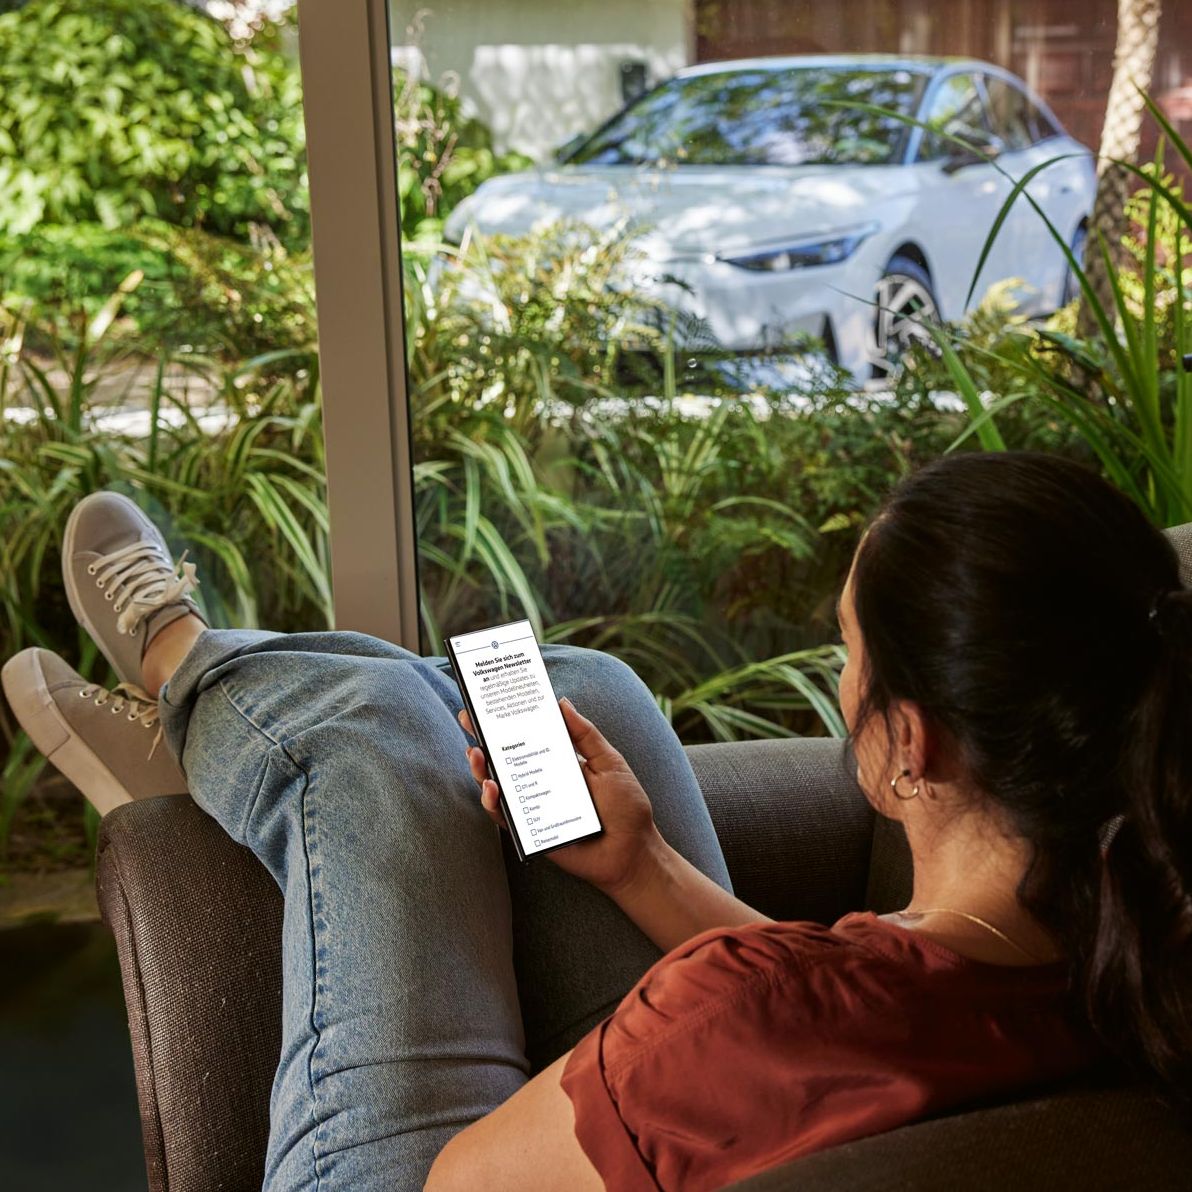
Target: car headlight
[803,254]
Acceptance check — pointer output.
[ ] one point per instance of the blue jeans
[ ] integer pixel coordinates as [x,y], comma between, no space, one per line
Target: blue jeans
[426,973]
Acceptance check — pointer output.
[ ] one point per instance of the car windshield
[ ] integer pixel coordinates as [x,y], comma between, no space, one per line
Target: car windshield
[762,117]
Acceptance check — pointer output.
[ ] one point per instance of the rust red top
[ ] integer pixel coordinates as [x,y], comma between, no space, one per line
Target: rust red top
[748,1047]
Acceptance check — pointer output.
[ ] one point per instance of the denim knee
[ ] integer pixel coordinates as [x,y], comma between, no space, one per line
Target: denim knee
[593,673]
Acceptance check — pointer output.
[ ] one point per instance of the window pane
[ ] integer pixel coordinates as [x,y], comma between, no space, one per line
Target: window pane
[1010,112]
[776,116]
[957,111]
[671,266]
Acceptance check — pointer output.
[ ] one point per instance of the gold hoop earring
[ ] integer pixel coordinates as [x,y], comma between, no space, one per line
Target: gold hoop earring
[894,787]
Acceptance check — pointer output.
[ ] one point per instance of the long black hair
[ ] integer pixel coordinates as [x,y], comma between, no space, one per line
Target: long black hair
[1038,619]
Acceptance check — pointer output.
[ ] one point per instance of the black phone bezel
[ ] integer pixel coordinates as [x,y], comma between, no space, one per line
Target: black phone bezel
[522,855]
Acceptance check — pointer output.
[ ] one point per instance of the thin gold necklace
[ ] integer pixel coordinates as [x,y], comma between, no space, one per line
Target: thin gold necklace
[1001,935]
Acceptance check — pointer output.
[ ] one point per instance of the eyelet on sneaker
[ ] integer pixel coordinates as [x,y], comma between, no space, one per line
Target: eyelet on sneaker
[99,703]
[84,692]
[132,633]
[107,595]
[91,569]
[115,710]
[99,583]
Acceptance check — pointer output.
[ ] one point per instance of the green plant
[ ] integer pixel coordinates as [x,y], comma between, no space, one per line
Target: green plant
[251,487]
[518,512]
[111,110]
[1124,395]
[690,536]
[989,357]
[197,292]
[443,155]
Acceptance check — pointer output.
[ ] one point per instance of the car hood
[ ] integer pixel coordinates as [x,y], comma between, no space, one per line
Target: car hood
[690,211]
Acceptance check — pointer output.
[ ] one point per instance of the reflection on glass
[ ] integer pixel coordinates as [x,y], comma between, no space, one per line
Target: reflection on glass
[958,114]
[1016,119]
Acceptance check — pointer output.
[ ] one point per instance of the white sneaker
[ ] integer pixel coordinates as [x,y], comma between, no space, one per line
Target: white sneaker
[103,741]
[122,586]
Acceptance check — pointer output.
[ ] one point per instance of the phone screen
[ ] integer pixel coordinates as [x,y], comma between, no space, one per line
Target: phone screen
[530,755]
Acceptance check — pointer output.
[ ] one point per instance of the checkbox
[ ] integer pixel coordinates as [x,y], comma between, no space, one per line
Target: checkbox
[533,831]
[521,798]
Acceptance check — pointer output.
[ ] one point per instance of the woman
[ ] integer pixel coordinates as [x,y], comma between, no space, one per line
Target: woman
[1017,693]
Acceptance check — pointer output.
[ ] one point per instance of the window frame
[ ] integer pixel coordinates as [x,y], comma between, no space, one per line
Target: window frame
[355,231]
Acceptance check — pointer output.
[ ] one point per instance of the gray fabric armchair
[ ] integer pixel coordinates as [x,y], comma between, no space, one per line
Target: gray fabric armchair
[197,922]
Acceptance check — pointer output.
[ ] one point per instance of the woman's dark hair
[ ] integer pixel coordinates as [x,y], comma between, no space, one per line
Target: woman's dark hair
[1038,619]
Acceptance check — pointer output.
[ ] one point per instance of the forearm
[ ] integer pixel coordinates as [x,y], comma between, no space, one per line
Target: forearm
[671,900]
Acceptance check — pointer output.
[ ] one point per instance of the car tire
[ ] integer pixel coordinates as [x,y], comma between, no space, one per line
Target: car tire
[904,302]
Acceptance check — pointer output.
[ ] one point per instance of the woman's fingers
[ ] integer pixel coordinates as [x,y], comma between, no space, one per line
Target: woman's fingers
[490,800]
[477,763]
[589,742]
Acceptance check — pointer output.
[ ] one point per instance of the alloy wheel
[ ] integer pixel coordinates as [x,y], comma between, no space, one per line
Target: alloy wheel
[903,306]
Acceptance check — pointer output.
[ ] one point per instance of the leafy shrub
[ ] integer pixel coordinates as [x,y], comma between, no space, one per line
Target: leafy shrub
[115,109]
[1171,264]
[443,155]
[1122,397]
[539,459]
[702,540]
[205,293]
[137,137]
[1001,351]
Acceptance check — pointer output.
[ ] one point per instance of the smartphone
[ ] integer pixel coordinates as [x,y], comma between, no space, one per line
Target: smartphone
[516,715]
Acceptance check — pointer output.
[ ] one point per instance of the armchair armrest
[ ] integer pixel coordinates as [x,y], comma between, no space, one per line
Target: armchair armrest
[197,921]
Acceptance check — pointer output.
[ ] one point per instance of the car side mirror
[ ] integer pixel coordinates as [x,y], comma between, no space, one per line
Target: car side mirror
[977,153]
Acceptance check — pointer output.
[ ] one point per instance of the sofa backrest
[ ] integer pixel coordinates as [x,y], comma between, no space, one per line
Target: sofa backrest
[1181,538]
[1088,1138]
[199,941]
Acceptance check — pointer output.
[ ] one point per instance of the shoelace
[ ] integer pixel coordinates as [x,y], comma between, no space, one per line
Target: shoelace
[138,581]
[141,706]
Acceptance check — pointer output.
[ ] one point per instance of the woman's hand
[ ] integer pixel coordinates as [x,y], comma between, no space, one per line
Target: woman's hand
[617,857]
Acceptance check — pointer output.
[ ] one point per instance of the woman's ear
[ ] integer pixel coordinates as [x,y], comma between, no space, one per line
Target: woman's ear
[912,739]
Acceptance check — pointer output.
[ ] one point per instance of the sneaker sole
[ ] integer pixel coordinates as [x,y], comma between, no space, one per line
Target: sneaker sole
[72,595]
[30,699]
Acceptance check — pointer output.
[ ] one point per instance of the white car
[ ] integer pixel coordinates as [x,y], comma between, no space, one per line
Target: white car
[772,200]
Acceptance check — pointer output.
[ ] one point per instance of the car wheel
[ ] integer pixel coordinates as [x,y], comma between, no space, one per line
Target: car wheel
[903,304]
[1071,288]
